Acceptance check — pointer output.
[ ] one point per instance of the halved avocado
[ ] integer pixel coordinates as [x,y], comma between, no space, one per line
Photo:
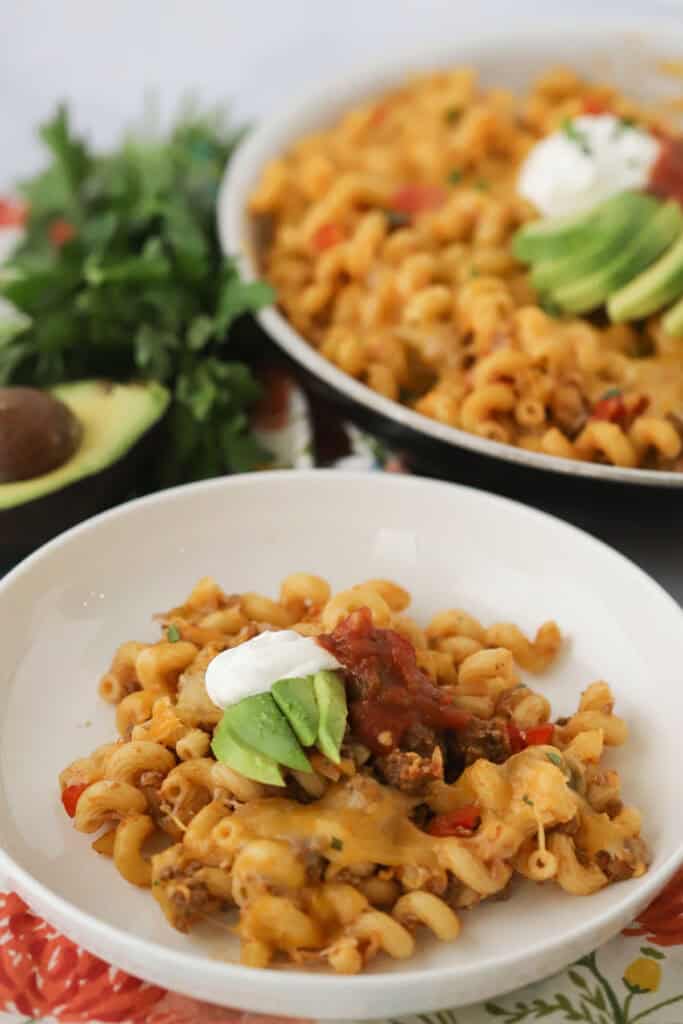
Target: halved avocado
[673,321]
[97,434]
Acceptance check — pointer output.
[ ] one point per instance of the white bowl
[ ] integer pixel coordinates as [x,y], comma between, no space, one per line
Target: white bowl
[67,607]
[622,49]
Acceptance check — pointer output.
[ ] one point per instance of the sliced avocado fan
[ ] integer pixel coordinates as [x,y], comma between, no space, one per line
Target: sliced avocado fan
[248,762]
[617,223]
[552,238]
[262,732]
[652,290]
[296,700]
[642,249]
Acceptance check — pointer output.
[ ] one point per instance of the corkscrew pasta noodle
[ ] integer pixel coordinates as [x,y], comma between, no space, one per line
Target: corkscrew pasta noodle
[354,860]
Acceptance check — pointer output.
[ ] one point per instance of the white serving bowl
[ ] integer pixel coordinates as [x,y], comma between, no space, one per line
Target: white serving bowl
[622,49]
[66,609]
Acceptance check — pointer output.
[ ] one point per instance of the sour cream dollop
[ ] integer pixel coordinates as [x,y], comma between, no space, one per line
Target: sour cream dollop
[592,158]
[254,666]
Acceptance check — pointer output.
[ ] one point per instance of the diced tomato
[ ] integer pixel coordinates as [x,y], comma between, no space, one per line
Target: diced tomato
[610,408]
[326,236]
[516,737]
[71,795]
[414,199]
[594,105]
[61,232]
[12,213]
[378,114]
[454,823]
[538,735]
[666,176]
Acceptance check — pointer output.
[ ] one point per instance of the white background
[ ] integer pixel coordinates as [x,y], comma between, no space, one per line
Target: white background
[102,55]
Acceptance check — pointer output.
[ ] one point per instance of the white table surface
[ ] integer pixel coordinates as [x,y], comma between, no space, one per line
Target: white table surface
[103,58]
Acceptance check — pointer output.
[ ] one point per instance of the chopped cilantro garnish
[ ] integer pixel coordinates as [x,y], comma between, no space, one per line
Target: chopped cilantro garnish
[172,634]
[526,800]
[453,114]
[396,219]
[554,758]
[575,135]
[612,393]
[337,843]
[455,176]
[623,124]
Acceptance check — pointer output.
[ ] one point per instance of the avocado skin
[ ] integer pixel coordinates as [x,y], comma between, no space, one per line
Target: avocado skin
[590,291]
[24,527]
[650,291]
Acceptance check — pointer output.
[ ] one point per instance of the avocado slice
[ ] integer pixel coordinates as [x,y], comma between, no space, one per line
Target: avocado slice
[589,292]
[656,287]
[330,694]
[230,749]
[673,321]
[606,239]
[296,700]
[119,429]
[259,723]
[551,238]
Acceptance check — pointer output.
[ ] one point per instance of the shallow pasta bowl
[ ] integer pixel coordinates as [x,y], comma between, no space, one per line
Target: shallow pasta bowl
[624,50]
[66,609]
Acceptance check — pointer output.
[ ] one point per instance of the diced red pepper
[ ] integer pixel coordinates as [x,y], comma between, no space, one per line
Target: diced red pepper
[12,213]
[539,735]
[326,236]
[515,737]
[455,823]
[594,105]
[414,199]
[611,408]
[61,232]
[71,796]
[639,407]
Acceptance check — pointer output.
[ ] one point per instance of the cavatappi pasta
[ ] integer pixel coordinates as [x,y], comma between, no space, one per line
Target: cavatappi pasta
[387,239]
[418,823]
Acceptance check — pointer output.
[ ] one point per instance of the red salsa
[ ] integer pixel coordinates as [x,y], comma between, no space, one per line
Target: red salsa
[666,176]
[389,692]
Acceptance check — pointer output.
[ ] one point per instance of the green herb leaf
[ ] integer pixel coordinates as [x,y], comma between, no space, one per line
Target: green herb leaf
[575,135]
[527,800]
[336,843]
[173,634]
[143,288]
[453,115]
[454,177]
[613,393]
[397,219]
[554,758]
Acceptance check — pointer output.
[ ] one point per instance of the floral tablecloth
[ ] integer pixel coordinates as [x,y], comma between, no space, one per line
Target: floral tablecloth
[44,977]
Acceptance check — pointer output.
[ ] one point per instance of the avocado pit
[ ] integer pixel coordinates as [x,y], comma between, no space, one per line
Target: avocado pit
[38,433]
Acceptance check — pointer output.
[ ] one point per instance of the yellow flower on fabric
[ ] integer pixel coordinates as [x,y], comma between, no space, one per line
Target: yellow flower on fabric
[644,973]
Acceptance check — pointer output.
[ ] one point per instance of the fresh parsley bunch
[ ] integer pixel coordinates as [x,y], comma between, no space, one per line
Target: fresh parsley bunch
[120,275]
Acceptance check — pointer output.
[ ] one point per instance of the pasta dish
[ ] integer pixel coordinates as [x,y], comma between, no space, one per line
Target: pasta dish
[395,241]
[428,774]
